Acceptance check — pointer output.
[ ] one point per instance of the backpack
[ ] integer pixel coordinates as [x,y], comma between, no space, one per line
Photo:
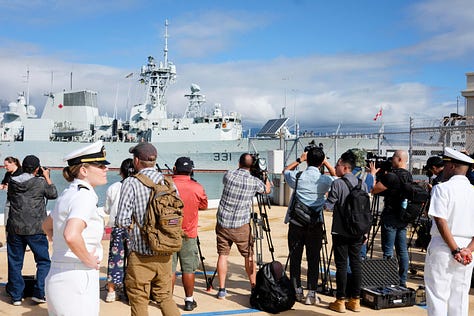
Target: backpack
[300,213]
[416,197]
[273,291]
[163,219]
[356,214]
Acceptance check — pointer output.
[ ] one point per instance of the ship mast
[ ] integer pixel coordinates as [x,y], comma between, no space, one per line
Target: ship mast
[158,78]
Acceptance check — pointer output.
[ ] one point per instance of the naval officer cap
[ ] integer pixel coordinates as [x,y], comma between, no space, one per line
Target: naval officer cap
[457,157]
[93,153]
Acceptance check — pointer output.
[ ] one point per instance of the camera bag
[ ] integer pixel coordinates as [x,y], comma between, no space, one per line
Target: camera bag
[300,213]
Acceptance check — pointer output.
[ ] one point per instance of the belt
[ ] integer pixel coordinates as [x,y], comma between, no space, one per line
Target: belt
[69,266]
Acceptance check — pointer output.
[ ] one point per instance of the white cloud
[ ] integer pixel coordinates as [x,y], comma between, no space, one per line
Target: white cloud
[198,34]
[449,26]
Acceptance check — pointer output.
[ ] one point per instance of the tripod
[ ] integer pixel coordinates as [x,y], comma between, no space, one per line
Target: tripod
[325,263]
[376,216]
[261,225]
[202,258]
[422,220]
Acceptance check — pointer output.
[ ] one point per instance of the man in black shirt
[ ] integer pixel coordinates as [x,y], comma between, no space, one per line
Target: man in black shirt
[394,230]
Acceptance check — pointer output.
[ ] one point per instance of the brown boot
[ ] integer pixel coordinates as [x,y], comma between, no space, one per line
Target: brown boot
[353,304]
[338,305]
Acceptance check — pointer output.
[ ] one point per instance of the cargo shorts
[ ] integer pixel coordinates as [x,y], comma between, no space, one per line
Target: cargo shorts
[188,256]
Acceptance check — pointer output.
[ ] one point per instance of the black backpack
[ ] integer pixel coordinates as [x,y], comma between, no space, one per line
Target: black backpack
[356,214]
[273,291]
[416,197]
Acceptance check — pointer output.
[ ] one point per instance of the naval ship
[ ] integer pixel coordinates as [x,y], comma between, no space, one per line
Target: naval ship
[214,141]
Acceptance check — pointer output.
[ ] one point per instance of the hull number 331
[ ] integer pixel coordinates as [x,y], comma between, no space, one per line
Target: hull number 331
[222,156]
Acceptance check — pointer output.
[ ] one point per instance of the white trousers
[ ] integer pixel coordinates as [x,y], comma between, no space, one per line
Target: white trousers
[447,283]
[72,289]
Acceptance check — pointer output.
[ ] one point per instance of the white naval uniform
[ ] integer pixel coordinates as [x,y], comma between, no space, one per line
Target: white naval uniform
[448,281]
[71,287]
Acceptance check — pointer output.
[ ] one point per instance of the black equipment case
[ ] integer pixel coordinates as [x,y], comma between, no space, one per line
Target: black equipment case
[380,287]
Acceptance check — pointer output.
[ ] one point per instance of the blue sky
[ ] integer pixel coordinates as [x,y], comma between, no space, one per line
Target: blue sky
[335,61]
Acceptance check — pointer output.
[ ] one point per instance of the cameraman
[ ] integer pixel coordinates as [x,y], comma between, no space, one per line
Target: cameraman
[311,190]
[394,230]
[233,218]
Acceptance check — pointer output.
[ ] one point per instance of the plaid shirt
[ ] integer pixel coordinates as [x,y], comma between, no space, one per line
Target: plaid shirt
[236,201]
[133,202]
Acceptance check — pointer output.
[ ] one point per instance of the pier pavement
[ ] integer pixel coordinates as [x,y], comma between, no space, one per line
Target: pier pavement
[237,301]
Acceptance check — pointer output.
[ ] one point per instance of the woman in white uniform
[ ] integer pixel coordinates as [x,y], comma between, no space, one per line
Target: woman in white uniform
[76,228]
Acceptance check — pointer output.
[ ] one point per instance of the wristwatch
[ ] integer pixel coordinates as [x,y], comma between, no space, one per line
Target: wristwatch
[298,160]
[456,251]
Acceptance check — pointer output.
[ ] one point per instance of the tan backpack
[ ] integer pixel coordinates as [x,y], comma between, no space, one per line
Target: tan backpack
[164,216]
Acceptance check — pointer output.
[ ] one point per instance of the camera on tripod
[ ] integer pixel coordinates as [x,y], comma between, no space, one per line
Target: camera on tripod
[259,167]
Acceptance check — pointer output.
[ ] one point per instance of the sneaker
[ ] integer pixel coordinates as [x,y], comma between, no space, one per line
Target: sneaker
[190,305]
[39,300]
[111,297]
[311,298]
[299,294]
[221,294]
[16,303]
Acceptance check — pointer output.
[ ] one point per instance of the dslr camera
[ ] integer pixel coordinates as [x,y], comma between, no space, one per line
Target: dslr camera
[40,171]
[259,167]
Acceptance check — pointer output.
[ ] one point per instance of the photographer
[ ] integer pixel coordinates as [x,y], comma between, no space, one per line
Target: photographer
[27,193]
[434,170]
[311,190]
[394,230]
[233,218]
[345,244]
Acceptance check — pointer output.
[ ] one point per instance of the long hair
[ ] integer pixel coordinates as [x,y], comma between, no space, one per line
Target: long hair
[127,169]
[14,160]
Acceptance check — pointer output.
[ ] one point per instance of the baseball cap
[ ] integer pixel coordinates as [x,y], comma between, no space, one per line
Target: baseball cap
[144,151]
[184,164]
[31,161]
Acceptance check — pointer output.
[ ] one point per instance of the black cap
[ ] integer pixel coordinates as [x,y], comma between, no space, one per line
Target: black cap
[31,162]
[184,164]
[435,161]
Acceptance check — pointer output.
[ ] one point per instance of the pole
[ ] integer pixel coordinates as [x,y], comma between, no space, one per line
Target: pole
[410,146]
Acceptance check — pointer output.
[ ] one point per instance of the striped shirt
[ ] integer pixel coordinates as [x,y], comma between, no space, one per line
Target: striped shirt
[133,202]
[236,201]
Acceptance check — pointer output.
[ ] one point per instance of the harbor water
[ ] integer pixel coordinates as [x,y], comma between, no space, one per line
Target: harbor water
[212,183]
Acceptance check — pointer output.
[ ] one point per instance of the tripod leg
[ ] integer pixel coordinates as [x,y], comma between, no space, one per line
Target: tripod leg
[208,283]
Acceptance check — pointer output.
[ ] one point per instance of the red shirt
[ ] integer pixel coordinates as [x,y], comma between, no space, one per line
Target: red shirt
[194,198]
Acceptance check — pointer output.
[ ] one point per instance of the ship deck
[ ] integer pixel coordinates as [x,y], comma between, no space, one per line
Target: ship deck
[237,301]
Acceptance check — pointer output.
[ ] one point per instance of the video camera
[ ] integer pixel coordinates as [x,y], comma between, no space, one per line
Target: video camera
[259,167]
[381,162]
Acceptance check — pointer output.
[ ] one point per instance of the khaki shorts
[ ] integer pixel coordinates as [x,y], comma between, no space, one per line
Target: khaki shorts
[188,256]
[241,236]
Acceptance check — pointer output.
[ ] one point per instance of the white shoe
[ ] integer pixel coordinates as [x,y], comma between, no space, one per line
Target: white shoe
[111,297]
[299,294]
[311,298]
[38,300]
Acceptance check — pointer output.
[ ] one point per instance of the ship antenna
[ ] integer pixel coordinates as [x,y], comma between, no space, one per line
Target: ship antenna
[165,50]
[28,85]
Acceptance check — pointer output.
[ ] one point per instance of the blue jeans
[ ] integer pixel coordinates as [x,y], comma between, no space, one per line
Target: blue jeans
[395,235]
[16,246]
